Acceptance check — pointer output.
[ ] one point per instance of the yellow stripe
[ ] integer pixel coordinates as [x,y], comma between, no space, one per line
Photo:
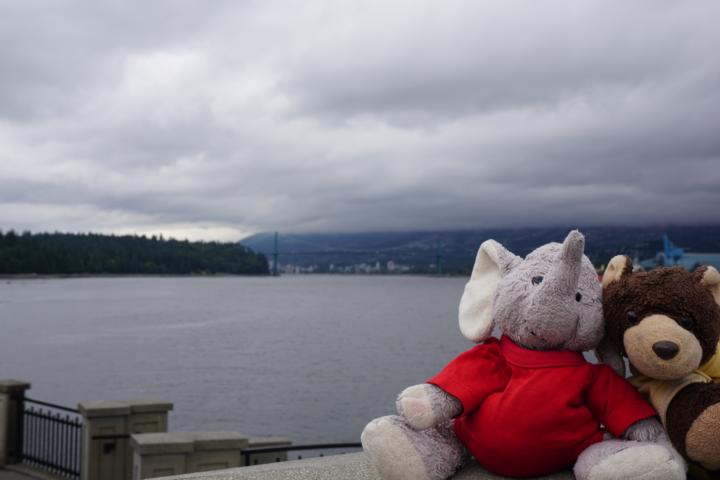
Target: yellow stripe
[711,368]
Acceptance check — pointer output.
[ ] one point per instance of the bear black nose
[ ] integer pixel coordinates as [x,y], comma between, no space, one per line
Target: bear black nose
[665,350]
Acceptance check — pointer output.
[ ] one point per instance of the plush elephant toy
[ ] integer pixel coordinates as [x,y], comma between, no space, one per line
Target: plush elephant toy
[527,404]
[667,323]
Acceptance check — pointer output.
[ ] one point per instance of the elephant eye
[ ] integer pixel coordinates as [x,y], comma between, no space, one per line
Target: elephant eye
[632,317]
[578,296]
[537,280]
[686,322]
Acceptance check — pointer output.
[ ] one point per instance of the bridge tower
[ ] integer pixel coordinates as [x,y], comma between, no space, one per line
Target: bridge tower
[438,260]
[275,256]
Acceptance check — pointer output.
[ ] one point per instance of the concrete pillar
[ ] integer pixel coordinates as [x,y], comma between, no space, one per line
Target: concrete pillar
[109,457]
[161,454]
[12,406]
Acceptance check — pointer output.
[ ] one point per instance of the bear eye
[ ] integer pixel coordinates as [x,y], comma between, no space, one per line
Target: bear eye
[537,280]
[686,322]
[632,317]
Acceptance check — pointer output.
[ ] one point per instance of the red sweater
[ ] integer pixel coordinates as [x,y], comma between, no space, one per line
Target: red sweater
[528,412]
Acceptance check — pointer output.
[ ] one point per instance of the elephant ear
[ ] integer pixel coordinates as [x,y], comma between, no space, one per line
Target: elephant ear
[493,262]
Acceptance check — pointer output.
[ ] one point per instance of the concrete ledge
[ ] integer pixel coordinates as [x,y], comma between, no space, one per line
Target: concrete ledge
[353,466]
[260,442]
[13,386]
[123,407]
[28,473]
[185,442]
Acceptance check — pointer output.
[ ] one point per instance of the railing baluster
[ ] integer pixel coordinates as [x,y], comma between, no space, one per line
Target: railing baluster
[48,437]
[35,433]
[51,438]
[51,441]
[66,442]
[72,444]
[61,442]
[26,428]
[58,445]
[77,444]
[27,421]
[76,447]
[56,441]
[42,436]
[32,432]
[70,458]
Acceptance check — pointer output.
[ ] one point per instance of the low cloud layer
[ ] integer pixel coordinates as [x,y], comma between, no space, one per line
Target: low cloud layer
[216,120]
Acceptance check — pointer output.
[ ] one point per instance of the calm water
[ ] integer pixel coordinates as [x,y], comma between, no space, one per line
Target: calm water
[310,357]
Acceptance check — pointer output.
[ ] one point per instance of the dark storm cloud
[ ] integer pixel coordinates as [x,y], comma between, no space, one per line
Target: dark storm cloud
[215,120]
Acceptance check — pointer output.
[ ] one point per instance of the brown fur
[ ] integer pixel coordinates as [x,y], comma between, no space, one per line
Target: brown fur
[701,440]
[667,291]
[693,415]
[685,409]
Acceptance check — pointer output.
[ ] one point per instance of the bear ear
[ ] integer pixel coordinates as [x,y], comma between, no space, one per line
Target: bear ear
[619,266]
[475,314]
[710,278]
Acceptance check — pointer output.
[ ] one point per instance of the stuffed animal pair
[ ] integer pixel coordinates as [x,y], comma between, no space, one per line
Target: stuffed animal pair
[526,404]
[666,322]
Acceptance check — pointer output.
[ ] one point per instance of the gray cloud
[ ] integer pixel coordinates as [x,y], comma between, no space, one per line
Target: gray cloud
[216,121]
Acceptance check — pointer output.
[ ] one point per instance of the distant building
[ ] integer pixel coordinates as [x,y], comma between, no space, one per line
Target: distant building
[675,256]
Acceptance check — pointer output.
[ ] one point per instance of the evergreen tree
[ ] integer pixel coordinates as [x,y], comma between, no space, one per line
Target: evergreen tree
[64,253]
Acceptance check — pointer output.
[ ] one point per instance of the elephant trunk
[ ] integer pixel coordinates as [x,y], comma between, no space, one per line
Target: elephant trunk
[562,280]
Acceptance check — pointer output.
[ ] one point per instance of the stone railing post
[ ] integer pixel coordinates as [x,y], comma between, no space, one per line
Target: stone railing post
[12,407]
[107,427]
[161,454]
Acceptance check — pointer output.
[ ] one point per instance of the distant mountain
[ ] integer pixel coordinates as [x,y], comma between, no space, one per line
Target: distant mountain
[417,252]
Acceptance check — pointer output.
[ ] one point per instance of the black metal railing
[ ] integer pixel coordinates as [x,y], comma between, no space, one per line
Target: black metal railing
[315,450]
[49,438]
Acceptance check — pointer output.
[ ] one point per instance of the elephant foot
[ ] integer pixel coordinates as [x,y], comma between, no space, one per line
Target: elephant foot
[399,452]
[620,459]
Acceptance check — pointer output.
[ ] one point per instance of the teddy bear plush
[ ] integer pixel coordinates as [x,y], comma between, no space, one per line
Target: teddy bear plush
[666,322]
[526,404]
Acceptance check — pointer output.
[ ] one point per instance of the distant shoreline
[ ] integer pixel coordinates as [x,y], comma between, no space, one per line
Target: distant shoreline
[39,276]
[31,276]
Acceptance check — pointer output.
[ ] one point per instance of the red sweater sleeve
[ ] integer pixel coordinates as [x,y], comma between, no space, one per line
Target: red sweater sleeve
[474,375]
[615,402]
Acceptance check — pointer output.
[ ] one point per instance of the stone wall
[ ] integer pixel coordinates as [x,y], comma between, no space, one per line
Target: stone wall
[337,467]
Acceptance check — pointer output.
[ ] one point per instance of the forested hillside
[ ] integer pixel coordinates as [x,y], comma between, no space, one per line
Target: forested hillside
[418,251]
[64,253]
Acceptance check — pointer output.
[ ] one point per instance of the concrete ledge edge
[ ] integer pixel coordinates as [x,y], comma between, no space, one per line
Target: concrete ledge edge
[352,466]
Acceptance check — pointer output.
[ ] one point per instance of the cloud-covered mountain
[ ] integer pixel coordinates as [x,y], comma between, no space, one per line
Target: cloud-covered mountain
[457,249]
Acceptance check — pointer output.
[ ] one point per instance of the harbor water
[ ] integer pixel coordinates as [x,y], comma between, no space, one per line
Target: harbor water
[310,357]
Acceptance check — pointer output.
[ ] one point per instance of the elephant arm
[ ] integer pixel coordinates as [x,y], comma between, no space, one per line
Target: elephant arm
[425,405]
[647,430]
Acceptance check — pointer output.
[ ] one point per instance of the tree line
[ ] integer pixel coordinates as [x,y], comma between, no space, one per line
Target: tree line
[92,253]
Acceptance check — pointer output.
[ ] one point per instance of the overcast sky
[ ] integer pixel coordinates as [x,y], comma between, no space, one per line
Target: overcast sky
[216,119]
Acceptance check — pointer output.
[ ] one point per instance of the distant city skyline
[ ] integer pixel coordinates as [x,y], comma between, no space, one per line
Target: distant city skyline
[214,123]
